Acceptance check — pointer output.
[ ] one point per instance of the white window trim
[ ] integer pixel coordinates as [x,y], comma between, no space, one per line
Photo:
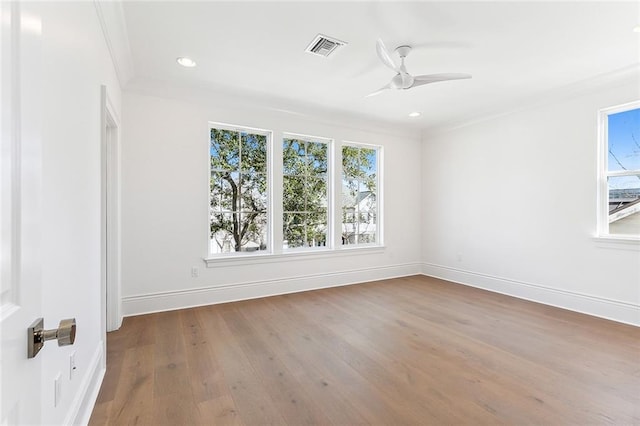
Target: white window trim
[269,135]
[293,255]
[603,237]
[617,242]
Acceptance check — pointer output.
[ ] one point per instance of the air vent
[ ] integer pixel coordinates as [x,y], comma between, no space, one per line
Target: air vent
[323,45]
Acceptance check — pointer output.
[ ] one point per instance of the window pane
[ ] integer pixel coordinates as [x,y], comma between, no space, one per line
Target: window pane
[316,193]
[349,226]
[230,184]
[305,229]
[293,157]
[293,229]
[368,161]
[222,233]
[366,226]
[624,205]
[623,190]
[350,192]
[317,158]
[293,194]
[254,192]
[624,140]
[254,237]
[224,149]
[254,153]
[215,187]
[351,162]
[349,215]
[366,200]
[317,228]
[221,193]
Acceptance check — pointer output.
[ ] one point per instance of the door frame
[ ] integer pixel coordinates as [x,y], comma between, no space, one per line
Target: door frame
[111,302]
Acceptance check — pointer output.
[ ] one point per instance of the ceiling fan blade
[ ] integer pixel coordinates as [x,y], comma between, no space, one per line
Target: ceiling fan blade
[380,90]
[384,56]
[420,80]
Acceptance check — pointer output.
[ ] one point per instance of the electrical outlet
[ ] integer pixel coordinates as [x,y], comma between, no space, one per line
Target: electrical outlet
[195,272]
[57,390]
[72,365]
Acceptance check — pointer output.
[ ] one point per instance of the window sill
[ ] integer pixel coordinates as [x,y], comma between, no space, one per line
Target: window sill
[249,259]
[617,242]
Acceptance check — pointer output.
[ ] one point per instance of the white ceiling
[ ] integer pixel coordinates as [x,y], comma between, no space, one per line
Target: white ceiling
[516,51]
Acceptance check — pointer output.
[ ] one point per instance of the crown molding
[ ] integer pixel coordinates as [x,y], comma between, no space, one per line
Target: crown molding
[113,24]
[212,95]
[599,82]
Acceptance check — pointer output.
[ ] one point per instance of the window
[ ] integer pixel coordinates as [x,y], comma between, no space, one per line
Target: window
[305,200]
[245,222]
[619,190]
[360,203]
[239,203]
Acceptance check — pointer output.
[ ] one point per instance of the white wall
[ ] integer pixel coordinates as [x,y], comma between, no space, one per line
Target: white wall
[509,204]
[76,63]
[165,205]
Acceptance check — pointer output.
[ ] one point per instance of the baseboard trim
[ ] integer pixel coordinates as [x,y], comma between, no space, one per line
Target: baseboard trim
[610,309]
[85,400]
[167,301]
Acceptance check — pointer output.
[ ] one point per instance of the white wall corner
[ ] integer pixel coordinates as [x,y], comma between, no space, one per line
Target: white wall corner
[112,20]
[85,399]
[614,310]
[171,300]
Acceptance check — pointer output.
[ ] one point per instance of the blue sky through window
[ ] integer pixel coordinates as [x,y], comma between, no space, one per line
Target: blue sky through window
[624,147]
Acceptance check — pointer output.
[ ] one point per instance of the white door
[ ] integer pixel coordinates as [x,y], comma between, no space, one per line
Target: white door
[20,211]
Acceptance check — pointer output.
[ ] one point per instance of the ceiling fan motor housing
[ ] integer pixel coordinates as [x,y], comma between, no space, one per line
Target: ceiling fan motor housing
[402,81]
[403,51]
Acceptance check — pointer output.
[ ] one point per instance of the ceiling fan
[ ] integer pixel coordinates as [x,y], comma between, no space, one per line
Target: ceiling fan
[403,80]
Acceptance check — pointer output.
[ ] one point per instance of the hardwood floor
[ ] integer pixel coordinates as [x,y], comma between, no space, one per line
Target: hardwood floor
[412,350]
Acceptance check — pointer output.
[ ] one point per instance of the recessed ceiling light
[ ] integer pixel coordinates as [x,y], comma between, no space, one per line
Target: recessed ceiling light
[636,29]
[415,114]
[186,62]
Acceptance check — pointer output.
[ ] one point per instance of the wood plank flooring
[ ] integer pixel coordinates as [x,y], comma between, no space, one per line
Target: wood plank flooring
[412,350]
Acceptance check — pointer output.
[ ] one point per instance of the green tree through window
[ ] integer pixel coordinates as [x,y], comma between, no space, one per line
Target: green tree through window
[238,191]
[304,193]
[359,195]
[240,198]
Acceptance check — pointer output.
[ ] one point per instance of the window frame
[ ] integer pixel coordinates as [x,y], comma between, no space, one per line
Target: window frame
[602,232]
[275,197]
[379,196]
[330,194]
[269,195]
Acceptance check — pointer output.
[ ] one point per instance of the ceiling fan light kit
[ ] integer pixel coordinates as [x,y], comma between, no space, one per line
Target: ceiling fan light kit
[403,80]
